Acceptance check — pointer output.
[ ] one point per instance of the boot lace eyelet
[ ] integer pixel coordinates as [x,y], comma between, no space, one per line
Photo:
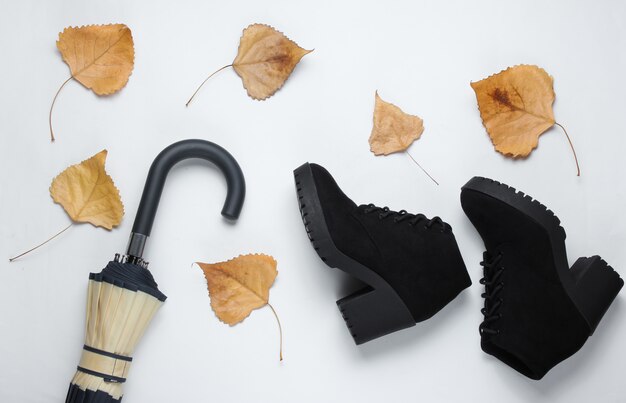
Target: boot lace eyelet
[493,282]
[402,215]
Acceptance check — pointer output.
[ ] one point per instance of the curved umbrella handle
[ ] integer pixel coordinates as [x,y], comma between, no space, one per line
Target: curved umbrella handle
[155,181]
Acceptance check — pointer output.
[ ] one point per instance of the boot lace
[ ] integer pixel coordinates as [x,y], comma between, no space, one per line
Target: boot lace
[492,274]
[403,215]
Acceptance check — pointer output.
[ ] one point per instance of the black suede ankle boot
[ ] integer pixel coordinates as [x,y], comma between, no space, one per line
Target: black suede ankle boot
[412,265]
[537,312]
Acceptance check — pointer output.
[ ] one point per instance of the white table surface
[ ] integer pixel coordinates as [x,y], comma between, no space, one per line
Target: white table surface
[420,55]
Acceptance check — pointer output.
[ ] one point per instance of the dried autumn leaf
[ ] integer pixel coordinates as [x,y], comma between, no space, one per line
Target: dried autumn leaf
[516,108]
[240,285]
[265,60]
[87,194]
[100,57]
[394,130]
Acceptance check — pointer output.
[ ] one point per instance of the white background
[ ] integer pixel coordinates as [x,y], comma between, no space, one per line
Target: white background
[420,55]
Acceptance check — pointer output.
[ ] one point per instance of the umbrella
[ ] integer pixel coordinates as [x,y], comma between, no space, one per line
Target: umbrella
[123,297]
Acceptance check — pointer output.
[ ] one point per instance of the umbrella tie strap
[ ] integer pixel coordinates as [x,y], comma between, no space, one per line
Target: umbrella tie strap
[109,366]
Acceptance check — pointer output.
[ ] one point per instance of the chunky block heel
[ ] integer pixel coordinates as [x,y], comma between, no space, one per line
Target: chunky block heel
[371,313]
[596,286]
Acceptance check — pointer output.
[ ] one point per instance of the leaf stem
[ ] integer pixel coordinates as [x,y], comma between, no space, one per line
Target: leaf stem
[52,106]
[280,329]
[41,244]
[572,147]
[417,163]
[205,80]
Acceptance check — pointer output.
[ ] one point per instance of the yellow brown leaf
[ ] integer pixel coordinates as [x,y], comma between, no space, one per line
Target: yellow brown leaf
[100,57]
[516,108]
[240,285]
[393,129]
[87,193]
[265,60]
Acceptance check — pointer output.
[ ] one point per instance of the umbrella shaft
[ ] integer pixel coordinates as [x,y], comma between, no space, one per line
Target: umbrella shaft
[136,244]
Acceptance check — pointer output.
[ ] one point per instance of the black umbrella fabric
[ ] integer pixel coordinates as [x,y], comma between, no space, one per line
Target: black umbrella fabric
[123,298]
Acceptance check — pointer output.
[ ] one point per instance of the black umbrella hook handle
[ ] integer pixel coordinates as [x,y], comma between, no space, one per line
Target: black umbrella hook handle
[155,181]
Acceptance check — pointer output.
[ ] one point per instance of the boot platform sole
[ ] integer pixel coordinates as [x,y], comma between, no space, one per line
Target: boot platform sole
[371,312]
[590,283]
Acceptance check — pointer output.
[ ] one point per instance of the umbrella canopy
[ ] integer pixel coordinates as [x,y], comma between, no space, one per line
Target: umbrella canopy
[123,297]
[121,301]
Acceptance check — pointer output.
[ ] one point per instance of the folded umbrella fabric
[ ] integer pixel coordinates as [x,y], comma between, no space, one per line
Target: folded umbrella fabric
[121,301]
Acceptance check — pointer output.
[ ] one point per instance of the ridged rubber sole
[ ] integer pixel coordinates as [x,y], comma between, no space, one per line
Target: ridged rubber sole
[590,283]
[371,312]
